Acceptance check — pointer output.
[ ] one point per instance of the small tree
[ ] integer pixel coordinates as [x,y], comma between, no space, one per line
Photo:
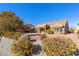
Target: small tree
[9,22]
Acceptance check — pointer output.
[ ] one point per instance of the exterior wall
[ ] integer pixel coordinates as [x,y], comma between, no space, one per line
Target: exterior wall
[57,30]
[63,30]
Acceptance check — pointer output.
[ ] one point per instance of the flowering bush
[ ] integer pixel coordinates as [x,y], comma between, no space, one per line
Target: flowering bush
[58,46]
[22,47]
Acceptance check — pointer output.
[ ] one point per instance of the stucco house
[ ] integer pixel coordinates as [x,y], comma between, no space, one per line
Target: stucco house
[60,26]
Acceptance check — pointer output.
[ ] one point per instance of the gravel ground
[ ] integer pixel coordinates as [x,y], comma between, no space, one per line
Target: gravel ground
[37,50]
[5,45]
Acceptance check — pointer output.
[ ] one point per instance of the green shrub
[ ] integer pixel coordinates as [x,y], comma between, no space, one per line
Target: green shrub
[22,47]
[58,46]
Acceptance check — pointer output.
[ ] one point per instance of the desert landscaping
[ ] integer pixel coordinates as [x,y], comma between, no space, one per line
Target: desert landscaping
[49,39]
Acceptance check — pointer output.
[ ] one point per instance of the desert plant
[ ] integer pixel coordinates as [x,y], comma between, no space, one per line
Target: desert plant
[0,33]
[49,31]
[10,22]
[22,47]
[58,46]
[9,34]
[12,35]
[17,35]
[47,26]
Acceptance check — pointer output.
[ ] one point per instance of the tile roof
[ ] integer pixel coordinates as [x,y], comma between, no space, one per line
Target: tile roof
[61,22]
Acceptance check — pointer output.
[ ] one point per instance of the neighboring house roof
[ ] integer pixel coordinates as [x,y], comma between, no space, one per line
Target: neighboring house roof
[57,23]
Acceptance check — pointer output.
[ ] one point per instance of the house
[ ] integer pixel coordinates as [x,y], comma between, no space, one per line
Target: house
[77,29]
[60,27]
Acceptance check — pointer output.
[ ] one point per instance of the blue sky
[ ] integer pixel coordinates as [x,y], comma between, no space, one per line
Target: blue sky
[43,13]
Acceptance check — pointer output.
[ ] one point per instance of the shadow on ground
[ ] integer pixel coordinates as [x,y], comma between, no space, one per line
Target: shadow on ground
[37,49]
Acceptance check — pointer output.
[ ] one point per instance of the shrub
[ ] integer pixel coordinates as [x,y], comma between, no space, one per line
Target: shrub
[12,35]
[0,33]
[47,26]
[9,34]
[21,47]
[58,46]
[17,35]
[10,22]
[49,31]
